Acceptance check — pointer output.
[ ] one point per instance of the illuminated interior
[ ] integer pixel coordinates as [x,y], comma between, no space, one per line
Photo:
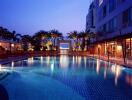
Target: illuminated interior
[64,46]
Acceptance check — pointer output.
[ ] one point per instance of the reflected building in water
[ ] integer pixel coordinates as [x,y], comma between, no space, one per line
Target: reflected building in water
[64,61]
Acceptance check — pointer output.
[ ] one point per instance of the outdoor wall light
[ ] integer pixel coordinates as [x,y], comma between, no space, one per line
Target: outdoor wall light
[12,45]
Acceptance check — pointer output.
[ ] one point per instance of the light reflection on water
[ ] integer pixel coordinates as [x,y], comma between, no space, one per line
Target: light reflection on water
[98,66]
[48,60]
[66,64]
[64,61]
[41,59]
[12,65]
[105,70]
[129,79]
[117,71]
[30,61]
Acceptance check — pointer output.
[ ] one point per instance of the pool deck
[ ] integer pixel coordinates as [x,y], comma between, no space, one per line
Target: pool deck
[10,59]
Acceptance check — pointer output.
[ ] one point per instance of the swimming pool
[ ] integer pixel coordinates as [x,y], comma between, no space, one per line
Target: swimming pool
[66,78]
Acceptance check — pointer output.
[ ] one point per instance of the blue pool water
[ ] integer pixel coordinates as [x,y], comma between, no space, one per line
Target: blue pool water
[66,78]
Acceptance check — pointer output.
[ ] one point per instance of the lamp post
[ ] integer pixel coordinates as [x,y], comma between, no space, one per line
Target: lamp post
[12,47]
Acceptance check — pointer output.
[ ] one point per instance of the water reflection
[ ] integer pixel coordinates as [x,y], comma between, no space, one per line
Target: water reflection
[41,59]
[48,60]
[2,69]
[76,59]
[111,69]
[85,62]
[73,59]
[79,59]
[98,66]
[89,74]
[64,61]
[105,73]
[117,71]
[105,69]
[129,79]
[30,61]
[52,65]
[12,65]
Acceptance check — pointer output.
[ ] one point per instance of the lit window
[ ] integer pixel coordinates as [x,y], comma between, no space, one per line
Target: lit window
[64,45]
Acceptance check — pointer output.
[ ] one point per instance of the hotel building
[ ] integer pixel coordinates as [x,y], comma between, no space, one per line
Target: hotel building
[91,18]
[113,28]
[11,46]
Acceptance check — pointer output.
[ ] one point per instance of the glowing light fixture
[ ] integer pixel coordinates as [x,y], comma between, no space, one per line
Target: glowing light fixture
[12,45]
[119,47]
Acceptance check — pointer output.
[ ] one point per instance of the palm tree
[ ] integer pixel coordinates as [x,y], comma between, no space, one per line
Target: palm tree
[1,32]
[55,34]
[18,37]
[88,36]
[42,34]
[40,38]
[26,39]
[74,35]
[82,35]
[4,33]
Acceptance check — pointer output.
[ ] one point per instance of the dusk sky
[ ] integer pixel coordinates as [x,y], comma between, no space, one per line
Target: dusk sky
[30,16]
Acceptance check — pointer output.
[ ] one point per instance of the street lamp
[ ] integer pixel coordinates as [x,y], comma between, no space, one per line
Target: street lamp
[11,46]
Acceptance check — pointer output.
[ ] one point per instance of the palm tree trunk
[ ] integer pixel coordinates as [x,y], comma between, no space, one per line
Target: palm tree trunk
[83,44]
